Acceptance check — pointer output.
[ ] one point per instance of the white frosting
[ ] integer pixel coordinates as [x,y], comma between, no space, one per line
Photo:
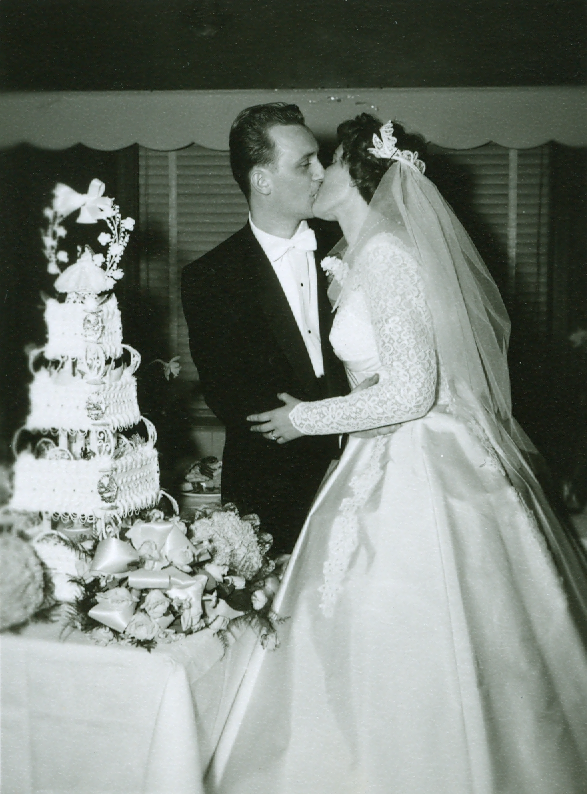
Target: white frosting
[91,488]
[73,404]
[71,327]
[90,406]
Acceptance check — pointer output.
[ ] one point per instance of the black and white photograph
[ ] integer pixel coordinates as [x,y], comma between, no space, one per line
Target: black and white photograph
[293,396]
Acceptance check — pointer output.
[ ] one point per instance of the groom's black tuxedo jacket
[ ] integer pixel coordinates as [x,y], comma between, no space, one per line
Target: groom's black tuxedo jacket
[247,347]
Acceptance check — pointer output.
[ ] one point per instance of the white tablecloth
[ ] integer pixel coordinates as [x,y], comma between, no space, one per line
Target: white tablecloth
[83,719]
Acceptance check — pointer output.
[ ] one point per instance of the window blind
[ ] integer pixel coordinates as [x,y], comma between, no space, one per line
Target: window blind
[502,197]
[189,204]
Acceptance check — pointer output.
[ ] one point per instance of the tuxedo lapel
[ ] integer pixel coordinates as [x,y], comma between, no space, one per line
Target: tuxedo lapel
[325,314]
[325,243]
[277,310]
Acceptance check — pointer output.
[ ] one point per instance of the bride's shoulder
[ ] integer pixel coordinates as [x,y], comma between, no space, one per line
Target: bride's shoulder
[388,247]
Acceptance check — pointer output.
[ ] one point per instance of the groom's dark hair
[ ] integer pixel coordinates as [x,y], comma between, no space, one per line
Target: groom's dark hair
[251,145]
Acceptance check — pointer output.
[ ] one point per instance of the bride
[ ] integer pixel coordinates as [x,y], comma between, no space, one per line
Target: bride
[436,640]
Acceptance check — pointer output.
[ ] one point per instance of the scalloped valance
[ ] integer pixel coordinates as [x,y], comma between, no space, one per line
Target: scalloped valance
[459,118]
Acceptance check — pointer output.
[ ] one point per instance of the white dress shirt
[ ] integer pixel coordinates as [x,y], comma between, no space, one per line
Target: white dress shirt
[296,271]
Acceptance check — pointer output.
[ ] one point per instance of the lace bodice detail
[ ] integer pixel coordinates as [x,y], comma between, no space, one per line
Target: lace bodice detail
[382,326]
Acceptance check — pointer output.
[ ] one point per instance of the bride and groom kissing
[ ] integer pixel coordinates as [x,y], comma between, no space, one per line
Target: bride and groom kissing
[436,638]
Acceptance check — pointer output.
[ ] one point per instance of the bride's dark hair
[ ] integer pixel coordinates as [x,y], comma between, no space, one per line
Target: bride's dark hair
[356,136]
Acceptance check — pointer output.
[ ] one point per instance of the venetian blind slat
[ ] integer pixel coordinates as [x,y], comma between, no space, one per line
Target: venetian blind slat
[532,288]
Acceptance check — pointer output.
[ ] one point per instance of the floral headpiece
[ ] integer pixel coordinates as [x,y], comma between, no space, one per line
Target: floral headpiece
[100,271]
[385,148]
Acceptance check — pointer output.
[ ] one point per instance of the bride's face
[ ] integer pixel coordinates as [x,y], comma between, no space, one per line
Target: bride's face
[335,190]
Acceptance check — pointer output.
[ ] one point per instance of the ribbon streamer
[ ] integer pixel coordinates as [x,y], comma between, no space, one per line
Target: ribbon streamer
[166,535]
[191,597]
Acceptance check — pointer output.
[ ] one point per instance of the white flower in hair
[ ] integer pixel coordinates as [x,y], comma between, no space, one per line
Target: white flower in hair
[385,148]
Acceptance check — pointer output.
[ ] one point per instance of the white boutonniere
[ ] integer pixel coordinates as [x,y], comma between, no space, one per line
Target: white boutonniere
[335,268]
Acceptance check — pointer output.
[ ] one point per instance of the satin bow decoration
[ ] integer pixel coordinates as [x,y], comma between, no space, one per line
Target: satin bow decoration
[168,537]
[156,531]
[115,608]
[302,241]
[93,207]
[113,556]
[191,598]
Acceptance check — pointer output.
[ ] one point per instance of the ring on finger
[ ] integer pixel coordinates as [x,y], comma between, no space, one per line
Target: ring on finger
[272,435]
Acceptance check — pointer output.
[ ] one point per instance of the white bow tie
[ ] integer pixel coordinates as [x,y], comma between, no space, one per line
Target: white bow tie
[302,241]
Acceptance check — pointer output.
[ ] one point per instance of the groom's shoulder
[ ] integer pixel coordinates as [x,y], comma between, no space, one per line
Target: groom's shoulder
[224,255]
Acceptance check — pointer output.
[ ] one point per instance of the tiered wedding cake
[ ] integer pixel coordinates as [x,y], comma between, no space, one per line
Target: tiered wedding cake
[85,456]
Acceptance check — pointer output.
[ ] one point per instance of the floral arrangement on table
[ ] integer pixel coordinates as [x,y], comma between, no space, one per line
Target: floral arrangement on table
[162,579]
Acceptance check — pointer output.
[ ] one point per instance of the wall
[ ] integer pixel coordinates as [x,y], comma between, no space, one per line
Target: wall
[235,44]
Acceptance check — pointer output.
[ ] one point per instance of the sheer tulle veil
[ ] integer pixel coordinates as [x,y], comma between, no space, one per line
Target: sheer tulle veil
[470,321]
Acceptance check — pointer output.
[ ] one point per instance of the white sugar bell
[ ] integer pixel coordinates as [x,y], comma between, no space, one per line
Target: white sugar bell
[84,276]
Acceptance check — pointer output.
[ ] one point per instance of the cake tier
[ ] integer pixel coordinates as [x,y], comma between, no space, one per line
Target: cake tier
[74,404]
[94,489]
[71,327]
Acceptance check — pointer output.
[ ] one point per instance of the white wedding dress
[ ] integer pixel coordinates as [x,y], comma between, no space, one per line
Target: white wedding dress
[435,641]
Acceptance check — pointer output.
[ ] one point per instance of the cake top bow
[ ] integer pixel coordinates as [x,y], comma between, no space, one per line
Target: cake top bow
[93,207]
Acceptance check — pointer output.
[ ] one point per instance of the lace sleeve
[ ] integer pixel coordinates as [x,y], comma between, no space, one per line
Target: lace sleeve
[393,290]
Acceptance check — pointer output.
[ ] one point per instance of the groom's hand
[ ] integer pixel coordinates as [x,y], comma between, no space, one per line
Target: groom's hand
[275,425]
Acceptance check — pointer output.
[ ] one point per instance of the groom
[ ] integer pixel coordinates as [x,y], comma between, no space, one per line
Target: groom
[259,318]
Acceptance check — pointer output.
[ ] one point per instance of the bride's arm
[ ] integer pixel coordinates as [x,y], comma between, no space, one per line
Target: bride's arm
[407,380]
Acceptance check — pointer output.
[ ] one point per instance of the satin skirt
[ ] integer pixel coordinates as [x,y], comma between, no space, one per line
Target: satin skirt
[452,661]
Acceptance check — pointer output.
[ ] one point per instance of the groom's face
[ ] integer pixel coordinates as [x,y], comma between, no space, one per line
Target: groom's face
[296,174]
